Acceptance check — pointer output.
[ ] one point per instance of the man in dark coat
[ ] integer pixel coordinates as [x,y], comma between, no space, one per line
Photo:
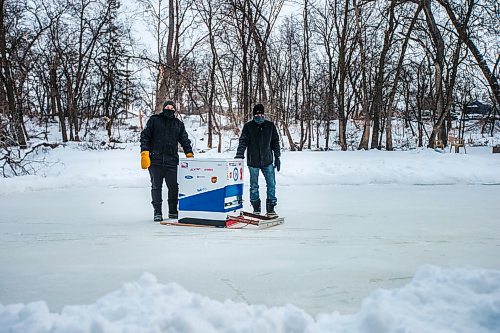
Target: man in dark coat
[159,143]
[260,137]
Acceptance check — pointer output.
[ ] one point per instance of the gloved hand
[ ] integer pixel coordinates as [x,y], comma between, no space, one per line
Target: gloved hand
[277,163]
[145,161]
[239,156]
[189,155]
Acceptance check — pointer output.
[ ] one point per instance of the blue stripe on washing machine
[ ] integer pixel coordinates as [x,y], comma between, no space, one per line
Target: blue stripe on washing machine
[211,201]
[234,190]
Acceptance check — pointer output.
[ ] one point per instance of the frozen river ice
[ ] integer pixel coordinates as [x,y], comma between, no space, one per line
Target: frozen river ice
[338,244]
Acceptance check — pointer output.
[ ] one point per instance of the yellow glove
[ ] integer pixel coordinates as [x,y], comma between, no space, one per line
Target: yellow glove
[189,155]
[145,161]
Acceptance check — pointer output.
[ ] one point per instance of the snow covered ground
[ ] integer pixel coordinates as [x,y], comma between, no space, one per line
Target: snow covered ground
[373,242]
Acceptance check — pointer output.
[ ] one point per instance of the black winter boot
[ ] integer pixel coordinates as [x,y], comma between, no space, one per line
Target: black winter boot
[158,216]
[270,209]
[256,207]
[172,209]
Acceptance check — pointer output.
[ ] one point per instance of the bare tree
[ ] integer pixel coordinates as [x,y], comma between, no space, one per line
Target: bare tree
[399,67]
[324,26]
[208,13]
[20,28]
[364,90]
[344,47]
[464,34]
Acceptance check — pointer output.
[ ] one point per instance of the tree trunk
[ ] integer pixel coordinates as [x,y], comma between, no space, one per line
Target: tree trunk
[380,78]
[56,104]
[306,77]
[438,68]
[9,84]
[212,83]
[166,71]
[365,138]
[392,95]
[342,67]
[289,137]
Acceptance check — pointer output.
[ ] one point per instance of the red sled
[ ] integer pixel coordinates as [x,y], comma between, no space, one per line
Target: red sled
[244,220]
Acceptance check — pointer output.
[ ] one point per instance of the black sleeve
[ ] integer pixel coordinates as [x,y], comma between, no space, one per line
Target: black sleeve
[184,140]
[243,142]
[147,136]
[275,142]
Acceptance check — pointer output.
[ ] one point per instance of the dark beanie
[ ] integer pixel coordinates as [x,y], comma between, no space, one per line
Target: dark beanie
[258,109]
[168,102]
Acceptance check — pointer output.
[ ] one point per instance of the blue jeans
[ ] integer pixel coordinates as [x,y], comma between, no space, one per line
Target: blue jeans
[268,172]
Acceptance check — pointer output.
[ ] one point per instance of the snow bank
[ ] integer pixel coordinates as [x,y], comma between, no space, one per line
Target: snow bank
[436,300]
[71,167]
[415,167]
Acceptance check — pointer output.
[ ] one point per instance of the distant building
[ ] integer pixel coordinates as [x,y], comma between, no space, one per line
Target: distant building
[477,110]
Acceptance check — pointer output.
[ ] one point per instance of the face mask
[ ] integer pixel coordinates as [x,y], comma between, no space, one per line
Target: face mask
[258,119]
[168,113]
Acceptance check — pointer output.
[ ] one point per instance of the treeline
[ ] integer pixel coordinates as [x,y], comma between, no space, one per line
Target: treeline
[310,63]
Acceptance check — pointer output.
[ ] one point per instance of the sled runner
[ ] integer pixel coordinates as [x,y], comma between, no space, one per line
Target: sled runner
[260,221]
[244,220]
[196,222]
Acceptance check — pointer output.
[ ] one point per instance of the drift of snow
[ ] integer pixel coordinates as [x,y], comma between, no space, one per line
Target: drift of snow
[436,300]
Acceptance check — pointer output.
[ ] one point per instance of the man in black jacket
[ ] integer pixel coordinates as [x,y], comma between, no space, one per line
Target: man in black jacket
[159,142]
[261,138]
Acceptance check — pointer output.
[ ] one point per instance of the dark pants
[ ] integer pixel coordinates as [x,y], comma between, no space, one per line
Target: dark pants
[169,174]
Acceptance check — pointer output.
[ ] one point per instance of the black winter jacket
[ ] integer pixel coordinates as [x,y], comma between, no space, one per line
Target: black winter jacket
[262,141]
[160,138]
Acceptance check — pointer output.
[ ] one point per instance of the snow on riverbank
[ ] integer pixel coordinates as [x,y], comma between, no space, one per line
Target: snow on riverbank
[72,167]
[436,300]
